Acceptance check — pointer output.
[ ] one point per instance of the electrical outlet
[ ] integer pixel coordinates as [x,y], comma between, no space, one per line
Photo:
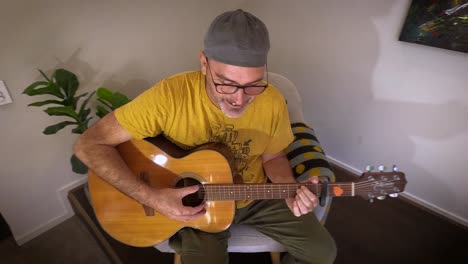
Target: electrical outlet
[5,97]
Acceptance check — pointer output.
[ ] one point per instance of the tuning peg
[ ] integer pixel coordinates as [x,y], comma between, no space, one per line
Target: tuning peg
[395,168]
[393,195]
[381,197]
[382,168]
[369,168]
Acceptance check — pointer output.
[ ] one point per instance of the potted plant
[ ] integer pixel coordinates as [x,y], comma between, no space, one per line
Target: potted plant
[63,85]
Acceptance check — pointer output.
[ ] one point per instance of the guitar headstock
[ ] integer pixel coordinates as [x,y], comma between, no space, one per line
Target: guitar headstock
[378,184]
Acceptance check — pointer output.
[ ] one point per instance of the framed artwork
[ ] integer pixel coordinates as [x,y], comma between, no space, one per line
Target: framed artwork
[437,23]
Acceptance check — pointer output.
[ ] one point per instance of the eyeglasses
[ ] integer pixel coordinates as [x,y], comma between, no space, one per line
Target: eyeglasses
[232,88]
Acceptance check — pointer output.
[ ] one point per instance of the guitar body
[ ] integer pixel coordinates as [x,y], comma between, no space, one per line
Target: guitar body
[162,167]
[161,164]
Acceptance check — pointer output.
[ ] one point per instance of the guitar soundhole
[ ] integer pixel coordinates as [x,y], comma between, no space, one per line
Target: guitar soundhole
[193,199]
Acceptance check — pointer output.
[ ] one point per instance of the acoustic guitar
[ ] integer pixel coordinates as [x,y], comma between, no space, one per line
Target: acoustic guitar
[162,164]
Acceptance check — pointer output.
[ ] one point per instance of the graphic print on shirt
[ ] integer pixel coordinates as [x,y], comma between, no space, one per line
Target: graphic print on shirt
[229,136]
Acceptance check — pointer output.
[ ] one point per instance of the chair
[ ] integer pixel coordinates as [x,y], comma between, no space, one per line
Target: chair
[245,239]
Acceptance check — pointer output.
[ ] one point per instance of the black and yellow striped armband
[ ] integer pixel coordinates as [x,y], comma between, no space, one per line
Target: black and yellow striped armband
[306,156]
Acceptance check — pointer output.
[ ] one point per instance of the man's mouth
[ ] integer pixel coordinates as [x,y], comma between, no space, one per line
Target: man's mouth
[233,104]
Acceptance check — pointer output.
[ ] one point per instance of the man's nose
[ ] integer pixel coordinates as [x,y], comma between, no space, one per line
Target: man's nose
[238,96]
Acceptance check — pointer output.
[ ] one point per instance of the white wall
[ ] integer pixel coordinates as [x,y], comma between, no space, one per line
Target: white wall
[124,45]
[374,100]
[371,98]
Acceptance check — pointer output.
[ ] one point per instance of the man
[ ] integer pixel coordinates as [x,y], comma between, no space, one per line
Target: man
[227,101]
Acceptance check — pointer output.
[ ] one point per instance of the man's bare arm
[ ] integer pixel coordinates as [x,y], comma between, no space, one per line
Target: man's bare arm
[96,148]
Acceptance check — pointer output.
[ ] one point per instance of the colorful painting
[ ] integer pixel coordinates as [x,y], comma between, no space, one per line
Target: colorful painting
[437,23]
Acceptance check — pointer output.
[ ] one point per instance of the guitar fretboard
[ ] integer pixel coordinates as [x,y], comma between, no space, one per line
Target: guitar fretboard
[220,192]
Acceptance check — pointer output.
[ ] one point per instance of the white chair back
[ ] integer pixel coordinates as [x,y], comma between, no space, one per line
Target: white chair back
[290,93]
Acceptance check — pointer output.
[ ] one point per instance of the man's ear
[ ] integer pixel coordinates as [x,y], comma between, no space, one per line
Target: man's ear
[203,62]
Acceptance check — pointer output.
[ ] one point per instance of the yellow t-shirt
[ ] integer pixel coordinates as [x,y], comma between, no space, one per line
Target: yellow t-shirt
[179,107]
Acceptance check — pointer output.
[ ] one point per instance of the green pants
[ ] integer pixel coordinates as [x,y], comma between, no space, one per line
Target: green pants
[304,238]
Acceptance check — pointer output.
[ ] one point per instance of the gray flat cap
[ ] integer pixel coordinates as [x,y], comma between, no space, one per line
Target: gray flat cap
[237,38]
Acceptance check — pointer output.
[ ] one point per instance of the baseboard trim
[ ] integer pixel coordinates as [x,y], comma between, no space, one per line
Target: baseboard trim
[29,235]
[411,198]
[451,217]
[345,166]
[63,194]
[68,212]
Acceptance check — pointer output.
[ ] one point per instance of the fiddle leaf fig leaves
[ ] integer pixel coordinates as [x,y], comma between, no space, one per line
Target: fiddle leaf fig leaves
[57,127]
[67,81]
[109,100]
[63,86]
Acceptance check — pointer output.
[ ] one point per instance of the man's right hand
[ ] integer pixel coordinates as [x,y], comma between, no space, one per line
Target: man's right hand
[96,148]
[168,202]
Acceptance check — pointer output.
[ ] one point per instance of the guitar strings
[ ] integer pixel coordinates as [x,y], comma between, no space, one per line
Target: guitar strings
[218,191]
[343,185]
[369,183]
[255,187]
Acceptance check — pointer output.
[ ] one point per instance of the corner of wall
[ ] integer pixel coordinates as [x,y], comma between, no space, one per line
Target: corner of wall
[62,193]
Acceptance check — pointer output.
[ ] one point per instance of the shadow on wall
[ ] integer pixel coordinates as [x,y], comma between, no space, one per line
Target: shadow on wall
[132,87]
[84,71]
[330,50]
[90,80]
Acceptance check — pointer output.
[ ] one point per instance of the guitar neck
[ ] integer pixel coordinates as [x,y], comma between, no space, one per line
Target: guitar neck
[223,192]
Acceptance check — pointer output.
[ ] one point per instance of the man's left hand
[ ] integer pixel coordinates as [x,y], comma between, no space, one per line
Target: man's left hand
[305,201]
